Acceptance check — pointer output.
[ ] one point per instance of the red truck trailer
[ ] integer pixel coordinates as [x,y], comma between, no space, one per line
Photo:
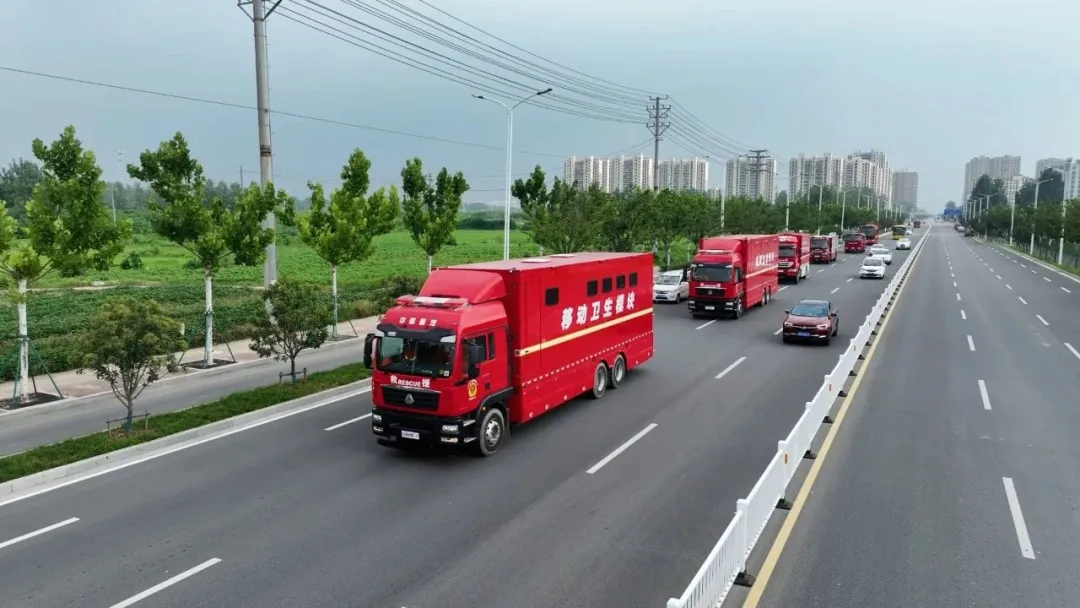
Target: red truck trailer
[870,231]
[732,273]
[854,242]
[794,264]
[489,345]
[824,248]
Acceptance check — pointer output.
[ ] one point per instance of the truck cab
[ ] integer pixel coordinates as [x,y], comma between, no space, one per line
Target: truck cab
[854,242]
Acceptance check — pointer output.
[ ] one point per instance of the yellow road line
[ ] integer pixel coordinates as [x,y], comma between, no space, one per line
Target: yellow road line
[777,549]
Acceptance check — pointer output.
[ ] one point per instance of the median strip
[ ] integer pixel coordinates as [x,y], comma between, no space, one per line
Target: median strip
[154,427]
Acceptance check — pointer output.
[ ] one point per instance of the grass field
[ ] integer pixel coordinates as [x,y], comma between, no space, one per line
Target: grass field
[59,316]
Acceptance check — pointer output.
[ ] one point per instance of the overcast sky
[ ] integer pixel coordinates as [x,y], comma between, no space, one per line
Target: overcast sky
[931,83]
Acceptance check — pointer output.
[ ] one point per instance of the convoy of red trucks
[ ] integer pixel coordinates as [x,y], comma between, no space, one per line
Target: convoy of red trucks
[489,345]
[823,248]
[732,273]
[870,231]
[854,242]
[794,258]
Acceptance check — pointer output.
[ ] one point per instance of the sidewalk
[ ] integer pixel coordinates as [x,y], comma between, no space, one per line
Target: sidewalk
[73,384]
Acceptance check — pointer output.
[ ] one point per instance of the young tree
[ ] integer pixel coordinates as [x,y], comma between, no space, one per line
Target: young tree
[131,343]
[210,232]
[666,216]
[702,216]
[67,226]
[430,210]
[342,231]
[301,317]
[621,222]
[565,219]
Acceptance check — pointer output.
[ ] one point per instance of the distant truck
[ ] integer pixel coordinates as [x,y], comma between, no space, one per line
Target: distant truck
[732,273]
[854,242]
[488,345]
[794,264]
[824,248]
[870,231]
[918,224]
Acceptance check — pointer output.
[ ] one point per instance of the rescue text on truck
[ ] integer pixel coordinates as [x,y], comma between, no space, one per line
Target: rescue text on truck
[489,345]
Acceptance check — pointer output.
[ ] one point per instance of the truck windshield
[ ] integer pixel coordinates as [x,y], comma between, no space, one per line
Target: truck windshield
[787,251]
[711,274]
[416,357]
[818,243]
[854,238]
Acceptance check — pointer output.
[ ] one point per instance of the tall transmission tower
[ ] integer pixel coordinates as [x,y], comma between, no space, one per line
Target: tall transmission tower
[657,126]
[258,16]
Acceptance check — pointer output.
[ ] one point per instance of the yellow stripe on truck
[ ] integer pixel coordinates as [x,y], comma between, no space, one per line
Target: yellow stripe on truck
[580,333]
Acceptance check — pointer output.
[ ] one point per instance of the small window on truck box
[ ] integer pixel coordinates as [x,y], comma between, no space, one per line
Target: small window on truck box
[620,281]
[551,296]
[606,284]
[633,279]
[592,288]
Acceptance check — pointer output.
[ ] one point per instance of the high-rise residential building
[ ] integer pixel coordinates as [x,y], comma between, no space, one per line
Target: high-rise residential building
[684,174]
[627,173]
[1060,164]
[905,188]
[752,177]
[630,172]
[879,178]
[998,167]
[1012,186]
[584,171]
[806,171]
[1071,173]
[859,173]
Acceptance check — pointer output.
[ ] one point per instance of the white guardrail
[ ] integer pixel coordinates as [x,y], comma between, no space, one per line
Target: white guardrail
[726,564]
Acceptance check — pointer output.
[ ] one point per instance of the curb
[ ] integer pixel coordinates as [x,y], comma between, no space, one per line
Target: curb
[68,474]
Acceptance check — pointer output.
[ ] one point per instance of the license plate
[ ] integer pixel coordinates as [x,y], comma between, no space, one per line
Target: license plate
[710,308]
[804,334]
[410,435]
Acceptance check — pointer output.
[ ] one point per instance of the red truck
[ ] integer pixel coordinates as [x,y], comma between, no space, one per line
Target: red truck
[918,224]
[794,264]
[489,345]
[854,242]
[870,231]
[732,273]
[824,248]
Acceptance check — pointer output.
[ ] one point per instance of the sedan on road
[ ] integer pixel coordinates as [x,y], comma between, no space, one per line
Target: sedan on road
[881,251]
[811,321]
[872,268]
[671,286]
[903,244]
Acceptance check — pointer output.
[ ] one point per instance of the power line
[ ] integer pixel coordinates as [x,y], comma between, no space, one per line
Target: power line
[239,106]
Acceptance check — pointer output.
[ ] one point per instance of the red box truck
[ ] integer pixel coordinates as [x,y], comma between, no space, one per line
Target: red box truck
[824,248]
[854,242]
[489,345]
[794,264]
[732,273]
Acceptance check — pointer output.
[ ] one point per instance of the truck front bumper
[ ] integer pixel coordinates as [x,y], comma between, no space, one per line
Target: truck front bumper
[711,307]
[407,429]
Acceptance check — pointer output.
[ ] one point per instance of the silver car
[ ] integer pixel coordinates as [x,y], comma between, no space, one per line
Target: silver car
[872,268]
[671,286]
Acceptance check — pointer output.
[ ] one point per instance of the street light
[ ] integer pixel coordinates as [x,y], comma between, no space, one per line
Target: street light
[986,198]
[1061,240]
[820,190]
[843,208]
[1035,211]
[510,157]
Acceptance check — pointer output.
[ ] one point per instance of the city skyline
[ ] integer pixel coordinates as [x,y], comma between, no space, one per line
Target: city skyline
[617,173]
[856,170]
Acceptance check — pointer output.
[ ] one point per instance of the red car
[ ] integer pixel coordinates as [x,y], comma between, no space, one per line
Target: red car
[811,321]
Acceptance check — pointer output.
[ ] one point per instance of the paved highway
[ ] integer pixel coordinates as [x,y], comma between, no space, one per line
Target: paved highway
[609,503]
[27,429]
[953,479]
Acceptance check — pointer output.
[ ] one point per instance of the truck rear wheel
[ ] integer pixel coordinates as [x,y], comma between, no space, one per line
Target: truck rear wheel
[618,371]
[765,298]
[492,432]
[738,309]
[600,380]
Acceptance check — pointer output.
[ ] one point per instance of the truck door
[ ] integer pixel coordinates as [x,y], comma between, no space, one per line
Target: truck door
[494,371]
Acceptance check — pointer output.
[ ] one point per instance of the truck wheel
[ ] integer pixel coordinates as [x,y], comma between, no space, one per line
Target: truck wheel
[618,371]
[492,432]
[601,379]
[764,298]
[738,308]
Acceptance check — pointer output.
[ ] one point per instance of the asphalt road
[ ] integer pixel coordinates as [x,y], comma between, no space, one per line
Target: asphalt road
[300,515]
[37,426]
[953,480]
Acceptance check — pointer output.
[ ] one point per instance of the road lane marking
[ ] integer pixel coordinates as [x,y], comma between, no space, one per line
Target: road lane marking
[1039,317]
[1022,300]
[1047,279]
[45,530]
[347,422]
[1009,286]
[958,297]
[963,315]
[730,367]
[704,325]
[166,584]
[1023,265]
[1065,290]
[1072,350]
[954,284]
[848,281]
[835,290]
[822,270]
[998,276]
[952,275]
[622,448]
[985,396]
[1018,519]
[782,288]
[778,332]
[971,343]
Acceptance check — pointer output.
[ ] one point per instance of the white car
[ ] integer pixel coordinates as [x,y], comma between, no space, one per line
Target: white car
[882,252]
[671,286]
[903,244]
[872,268]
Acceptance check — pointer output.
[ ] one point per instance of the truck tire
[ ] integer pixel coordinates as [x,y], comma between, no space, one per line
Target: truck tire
[601,380]
[492,432]
[764,298]
[618,371]
[738,309]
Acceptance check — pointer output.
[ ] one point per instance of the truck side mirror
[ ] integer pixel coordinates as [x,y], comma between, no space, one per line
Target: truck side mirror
[472,372]
[369,342]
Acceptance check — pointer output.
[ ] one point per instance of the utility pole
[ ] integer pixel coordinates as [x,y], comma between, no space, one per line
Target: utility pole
[756,158]
[112,187]
[241,176]
[258,16]
[657,126]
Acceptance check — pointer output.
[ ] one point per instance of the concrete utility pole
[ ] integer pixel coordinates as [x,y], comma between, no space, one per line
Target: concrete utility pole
[258,17]
[657,126]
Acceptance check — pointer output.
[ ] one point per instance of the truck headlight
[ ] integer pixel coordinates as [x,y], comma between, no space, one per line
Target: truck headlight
[450,428]
[376,418]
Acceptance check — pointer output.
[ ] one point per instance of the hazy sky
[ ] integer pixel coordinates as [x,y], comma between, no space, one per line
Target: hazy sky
[931,83]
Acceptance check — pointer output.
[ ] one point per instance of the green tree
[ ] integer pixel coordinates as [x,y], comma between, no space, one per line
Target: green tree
[620,222]
[67,227]
[342,231]
[17,183]
[210,232]
[430,209]
[666,220]
[563,219]
[702,217]
[130,344]
[1051,190]
[300,320]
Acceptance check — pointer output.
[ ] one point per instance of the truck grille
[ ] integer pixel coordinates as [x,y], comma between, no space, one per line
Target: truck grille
[421,400]
[709,292]
[785,264]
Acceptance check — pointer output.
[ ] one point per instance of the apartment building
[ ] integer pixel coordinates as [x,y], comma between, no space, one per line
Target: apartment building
[1012,186]
[1059,164]
[629,172]
[585,171]
[751,177]
[1071,173]
[879,177]
[806,171]
[997,167]
[684,174]
[905,188]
